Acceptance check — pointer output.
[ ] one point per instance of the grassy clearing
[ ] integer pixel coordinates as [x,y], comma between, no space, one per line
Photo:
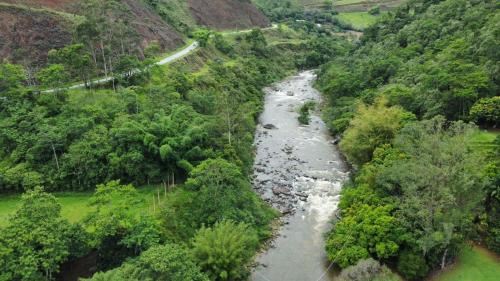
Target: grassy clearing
[358,20]
[74,205]
[347,2]
[483,140]
[474,264]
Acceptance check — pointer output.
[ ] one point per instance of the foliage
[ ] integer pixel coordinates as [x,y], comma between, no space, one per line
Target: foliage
[217,192]
[368,230]
[439,212]
[490,226]
[322,49]
[368,270]
[304,112]
[223,45]
[375,10]
[117,230]
[444,70]
[53,76]
[107,33]
[167,123]
[202,35]
[162,263]
[373,126]
[223,250]
[37,239]
[486,111]
[431,218]
[75,60]
[412,265]
[11,77]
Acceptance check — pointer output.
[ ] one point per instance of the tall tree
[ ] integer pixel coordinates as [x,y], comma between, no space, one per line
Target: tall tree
[37,240]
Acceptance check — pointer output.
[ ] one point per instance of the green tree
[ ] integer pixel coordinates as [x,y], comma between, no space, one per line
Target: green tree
[11,77]
[76,61]
[257,41]
[37,240]
[216,191]
[440,184]
[223,250]
[375,10]
[222,45]
[152,50]
[367,231]
[53,76]
[160,263]
[486,111]
[373,126]
[118,231]
[202,35]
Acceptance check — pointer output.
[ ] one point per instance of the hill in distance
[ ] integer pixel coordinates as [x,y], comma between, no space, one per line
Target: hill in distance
[29,28]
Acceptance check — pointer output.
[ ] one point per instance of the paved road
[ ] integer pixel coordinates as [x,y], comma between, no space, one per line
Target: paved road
[167,60]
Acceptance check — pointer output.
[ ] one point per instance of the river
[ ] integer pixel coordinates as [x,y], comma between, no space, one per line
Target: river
[299,171]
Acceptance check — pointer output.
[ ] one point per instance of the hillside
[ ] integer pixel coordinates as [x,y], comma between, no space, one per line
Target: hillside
[28,34]
[226,14]
[404,102]
[29,28]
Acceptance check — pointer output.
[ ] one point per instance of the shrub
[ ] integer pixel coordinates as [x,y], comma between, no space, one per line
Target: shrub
[411,265]
[368,270]
[160,263]
[363,270]
[223,250]
[375,10]
[304,112]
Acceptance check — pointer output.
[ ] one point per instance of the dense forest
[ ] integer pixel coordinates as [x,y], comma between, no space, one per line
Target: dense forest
[168,125]
[165,153]
[189,123]
[405,101]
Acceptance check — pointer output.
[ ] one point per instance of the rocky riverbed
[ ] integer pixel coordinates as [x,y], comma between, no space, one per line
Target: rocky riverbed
[299,170]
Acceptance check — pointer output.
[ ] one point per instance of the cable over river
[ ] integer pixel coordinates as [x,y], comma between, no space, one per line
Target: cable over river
[299,171]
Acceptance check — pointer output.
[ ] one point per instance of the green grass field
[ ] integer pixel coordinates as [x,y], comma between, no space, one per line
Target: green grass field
[483,140]
[474,264]
[358,20]
[74,205]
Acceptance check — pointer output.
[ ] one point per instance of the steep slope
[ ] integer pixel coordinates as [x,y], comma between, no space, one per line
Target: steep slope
[226,14]
[28,34]
[31,27]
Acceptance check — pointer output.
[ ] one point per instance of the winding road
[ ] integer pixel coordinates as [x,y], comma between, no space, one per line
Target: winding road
[175,56]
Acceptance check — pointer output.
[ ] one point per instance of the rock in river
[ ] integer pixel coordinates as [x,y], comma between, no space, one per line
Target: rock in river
[269,127]
[281,190]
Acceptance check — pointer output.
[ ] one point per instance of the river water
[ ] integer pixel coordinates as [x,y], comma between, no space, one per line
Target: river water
[299,171]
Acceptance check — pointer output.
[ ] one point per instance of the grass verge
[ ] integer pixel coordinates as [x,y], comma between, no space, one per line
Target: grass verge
[473,264]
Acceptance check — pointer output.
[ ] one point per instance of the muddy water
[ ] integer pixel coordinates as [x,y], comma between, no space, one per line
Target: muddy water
[299,170]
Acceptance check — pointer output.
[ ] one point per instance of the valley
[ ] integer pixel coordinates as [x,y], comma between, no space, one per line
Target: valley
[263,140]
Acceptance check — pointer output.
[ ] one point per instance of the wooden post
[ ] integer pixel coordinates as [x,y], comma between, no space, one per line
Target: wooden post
[165,189]
[154,207]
